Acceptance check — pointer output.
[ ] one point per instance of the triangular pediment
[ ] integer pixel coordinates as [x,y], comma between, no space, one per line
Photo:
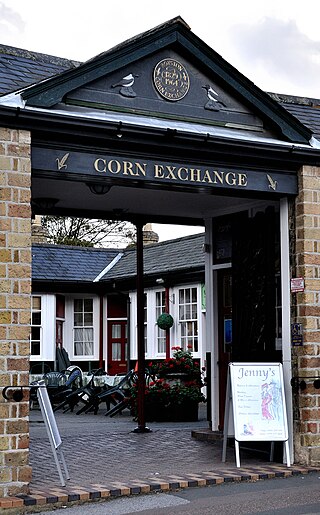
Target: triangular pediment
[169,73]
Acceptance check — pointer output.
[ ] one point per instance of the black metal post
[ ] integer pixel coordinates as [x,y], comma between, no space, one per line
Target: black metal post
[140,333]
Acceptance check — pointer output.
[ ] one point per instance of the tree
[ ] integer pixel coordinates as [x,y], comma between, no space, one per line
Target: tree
[88,232]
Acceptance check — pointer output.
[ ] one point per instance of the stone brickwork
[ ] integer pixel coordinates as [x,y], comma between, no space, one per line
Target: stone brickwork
[307,358]
[15,307]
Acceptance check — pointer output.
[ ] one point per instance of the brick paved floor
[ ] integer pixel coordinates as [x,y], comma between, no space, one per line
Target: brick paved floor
[106,459]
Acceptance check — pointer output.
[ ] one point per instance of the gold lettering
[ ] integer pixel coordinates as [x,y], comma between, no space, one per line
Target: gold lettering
[117,166]
[171,170]
[206,177]
[158,171]
[231,179]
[180,172]
[217,176]
[100,165]
[141,168]
[242,179]
[195,175]
[127,168]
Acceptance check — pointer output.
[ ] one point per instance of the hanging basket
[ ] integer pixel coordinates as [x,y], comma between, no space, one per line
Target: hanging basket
[165,321]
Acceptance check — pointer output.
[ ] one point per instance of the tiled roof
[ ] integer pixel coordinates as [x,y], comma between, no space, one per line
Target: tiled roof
[20,68]
[307,110]
[181,254]
[67,263]
[83,264]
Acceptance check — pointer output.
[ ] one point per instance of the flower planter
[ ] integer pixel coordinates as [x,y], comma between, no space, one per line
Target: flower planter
[185,412]
[177,378]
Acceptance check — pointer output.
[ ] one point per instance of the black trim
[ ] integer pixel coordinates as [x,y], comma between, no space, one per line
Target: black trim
[52,91]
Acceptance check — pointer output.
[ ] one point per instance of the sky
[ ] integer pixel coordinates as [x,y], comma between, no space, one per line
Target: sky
[275,43]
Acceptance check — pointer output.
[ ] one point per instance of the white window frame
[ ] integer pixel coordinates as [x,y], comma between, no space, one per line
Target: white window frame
[69,328]
[47,329]
[152,328]
[178,323]
[159,333]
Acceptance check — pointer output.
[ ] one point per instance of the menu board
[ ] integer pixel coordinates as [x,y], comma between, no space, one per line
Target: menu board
[258,400]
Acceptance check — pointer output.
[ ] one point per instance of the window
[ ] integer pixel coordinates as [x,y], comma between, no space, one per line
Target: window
[160,308]
[188,318]
[83,327]
[116,345]
[36,328]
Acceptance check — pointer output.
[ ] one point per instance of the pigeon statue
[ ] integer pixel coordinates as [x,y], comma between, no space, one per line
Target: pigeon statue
[213,104]
[125,85]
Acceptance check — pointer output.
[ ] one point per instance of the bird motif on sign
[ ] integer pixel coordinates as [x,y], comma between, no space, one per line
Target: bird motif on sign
[125,85]
[272,183]
[213,103]
[61,163]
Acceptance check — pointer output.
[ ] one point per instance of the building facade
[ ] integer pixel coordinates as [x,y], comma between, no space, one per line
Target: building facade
[162,129]
[86,303]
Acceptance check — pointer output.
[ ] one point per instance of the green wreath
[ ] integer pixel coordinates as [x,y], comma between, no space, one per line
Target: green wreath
[165,321]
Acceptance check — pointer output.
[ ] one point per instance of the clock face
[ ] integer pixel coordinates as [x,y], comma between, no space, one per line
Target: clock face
[171,79]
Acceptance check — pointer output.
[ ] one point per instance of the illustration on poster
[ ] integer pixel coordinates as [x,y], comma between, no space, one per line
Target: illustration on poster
[270,401]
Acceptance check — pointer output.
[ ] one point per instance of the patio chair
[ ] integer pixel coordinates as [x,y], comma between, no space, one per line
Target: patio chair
[61,384]
[82,394]
[121,397]
[118,396]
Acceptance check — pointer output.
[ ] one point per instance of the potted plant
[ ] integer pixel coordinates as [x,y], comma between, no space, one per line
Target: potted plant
[180,366]
[165,321]
[174,392]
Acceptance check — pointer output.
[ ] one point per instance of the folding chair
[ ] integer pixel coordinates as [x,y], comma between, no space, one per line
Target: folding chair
[72,383]
[82,394]
[118,395]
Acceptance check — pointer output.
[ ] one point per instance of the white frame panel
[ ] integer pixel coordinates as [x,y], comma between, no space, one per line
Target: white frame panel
[68,327]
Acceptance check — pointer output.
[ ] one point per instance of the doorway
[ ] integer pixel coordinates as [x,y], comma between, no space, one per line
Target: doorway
[117,347]
[117,334]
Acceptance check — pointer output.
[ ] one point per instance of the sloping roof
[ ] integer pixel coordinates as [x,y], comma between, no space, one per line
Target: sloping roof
[69,264]
[83,264]
[20,68]
[307,110]
[173,36]
[167,257]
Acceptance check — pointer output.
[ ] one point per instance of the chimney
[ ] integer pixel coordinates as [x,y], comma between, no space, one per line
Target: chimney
[38,233]
[149,236]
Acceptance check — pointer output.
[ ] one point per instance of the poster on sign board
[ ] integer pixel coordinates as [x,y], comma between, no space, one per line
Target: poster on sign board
[258,400]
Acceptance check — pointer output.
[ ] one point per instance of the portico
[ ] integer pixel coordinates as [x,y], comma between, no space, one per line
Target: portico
[160,150]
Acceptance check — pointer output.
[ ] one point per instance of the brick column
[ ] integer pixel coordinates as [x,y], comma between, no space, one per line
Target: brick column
[307,357]
[15,307]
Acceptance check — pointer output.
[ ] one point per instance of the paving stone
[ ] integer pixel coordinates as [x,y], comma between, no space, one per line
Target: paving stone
[106,459]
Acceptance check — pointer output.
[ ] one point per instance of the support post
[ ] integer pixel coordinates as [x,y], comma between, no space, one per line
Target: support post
[140,333]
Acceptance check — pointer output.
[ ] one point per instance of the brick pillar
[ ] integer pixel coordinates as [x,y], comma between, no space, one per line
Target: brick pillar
[15,307]
[307,357]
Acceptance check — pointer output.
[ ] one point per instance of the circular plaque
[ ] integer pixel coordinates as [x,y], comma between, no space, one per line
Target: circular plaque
[171,79]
